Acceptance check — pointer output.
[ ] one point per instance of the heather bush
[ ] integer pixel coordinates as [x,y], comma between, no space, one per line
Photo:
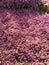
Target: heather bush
[24,37]
[36,5]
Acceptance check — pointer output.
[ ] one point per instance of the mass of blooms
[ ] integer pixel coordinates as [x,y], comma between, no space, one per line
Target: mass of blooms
[24,34]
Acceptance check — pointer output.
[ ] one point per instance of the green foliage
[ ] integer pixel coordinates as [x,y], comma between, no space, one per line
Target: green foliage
[17,57]
[42,8]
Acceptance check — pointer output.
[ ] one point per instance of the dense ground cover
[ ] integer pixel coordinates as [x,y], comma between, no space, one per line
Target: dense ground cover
[24,37]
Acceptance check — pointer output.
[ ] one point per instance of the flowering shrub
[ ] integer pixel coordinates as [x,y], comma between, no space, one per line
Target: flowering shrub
[24,37]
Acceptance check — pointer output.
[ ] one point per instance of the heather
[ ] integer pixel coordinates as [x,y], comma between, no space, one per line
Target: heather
[24,36]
